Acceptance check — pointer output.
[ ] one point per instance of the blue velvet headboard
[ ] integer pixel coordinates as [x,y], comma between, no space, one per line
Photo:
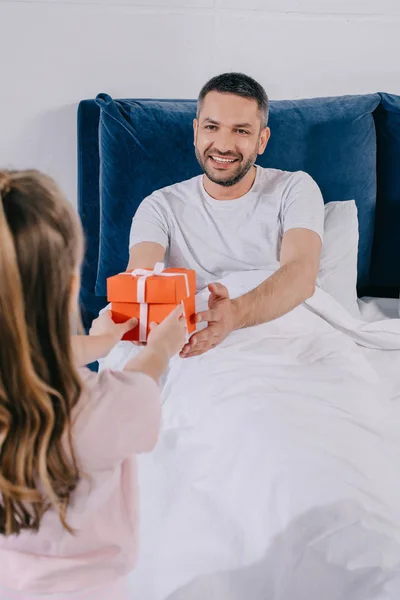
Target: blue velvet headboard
[137,130]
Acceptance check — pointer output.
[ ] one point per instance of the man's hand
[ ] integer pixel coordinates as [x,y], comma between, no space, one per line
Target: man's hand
[221,322]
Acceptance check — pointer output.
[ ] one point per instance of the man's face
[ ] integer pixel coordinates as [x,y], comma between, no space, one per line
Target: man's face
[228,136]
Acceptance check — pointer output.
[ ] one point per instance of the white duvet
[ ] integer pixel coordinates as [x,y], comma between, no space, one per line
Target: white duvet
[277,472]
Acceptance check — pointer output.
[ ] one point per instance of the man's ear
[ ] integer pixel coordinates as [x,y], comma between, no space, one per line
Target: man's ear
[195,127]
[264,137]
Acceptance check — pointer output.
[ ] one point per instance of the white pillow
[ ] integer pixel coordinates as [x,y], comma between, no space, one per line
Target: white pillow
[338,266]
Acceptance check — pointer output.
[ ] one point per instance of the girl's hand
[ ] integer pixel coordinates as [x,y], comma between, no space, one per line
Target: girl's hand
[170,335]
[104,325]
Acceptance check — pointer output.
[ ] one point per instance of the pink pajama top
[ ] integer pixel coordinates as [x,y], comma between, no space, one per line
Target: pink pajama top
[117,416]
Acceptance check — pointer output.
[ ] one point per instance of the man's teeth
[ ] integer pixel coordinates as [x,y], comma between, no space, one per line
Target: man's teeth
[224,160]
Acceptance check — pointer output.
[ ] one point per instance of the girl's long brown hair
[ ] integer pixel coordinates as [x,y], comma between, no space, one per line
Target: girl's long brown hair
[40,250]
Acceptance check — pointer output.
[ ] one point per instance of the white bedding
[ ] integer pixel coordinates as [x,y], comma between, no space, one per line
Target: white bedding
[376,309]
[276,474]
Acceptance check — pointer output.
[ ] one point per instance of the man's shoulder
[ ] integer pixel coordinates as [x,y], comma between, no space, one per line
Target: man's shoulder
[284,183]
[180,190]
[276,176]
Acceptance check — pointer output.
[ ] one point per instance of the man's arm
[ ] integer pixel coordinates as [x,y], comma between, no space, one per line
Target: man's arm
[149,234]
[145,255]
[289,287]
[292,284]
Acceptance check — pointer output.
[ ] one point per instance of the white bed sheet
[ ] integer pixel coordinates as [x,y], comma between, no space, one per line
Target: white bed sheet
[386,363]
[276,474]
[376,309]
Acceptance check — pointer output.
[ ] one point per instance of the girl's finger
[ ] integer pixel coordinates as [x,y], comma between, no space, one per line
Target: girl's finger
[132,323]
[178,311]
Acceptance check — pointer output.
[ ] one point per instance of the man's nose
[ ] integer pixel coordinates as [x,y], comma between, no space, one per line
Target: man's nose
[223,142]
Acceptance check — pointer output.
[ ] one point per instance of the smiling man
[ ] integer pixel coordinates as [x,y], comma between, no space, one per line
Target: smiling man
[235,217]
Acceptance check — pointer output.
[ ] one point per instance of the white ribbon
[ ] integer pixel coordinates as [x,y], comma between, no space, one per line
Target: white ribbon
[142,275]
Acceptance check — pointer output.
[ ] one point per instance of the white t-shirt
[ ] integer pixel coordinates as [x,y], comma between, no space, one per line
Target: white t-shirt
[219,237]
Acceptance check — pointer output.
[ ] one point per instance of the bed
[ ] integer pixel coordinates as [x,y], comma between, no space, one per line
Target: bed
[275,475]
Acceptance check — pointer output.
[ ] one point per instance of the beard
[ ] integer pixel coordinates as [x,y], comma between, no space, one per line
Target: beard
[226,180]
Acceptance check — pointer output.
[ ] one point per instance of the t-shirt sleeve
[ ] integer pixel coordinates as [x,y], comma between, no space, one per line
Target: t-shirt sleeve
[120,416]
[303,205]
[150,223]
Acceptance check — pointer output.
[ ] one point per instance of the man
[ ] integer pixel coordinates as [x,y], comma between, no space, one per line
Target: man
[235,217]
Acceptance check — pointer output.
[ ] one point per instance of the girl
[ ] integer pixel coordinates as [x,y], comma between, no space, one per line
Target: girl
[68,437]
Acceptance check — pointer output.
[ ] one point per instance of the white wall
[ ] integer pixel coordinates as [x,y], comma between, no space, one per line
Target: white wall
[54,53]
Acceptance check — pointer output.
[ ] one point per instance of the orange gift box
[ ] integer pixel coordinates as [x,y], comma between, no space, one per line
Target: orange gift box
[151,296]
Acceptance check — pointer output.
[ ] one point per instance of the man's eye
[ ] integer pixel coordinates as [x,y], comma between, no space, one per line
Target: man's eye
[243,131]
[211,127]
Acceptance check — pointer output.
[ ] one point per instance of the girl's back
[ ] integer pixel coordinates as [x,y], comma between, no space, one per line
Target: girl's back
[110,424]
